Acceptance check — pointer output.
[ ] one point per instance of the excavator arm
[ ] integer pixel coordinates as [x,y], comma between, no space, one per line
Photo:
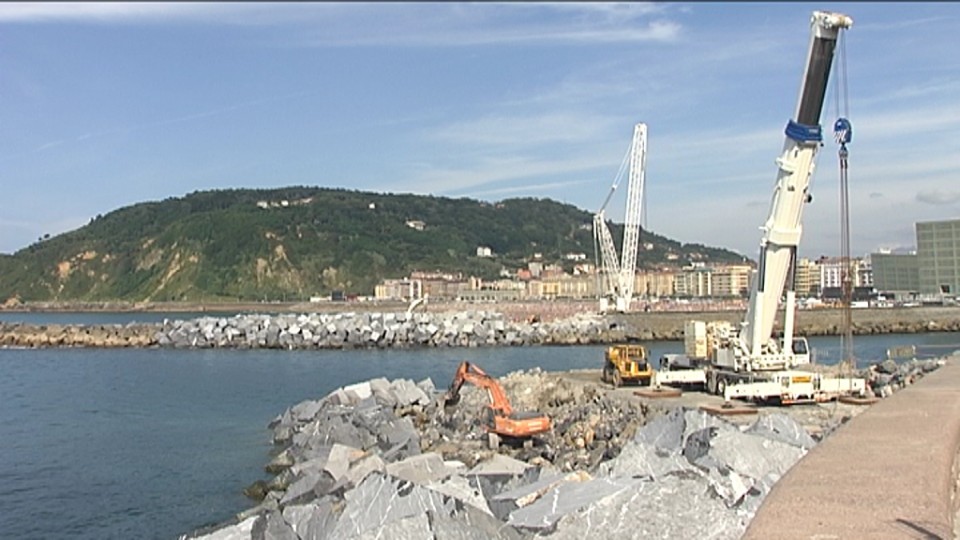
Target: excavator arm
[471,373]
[502,419]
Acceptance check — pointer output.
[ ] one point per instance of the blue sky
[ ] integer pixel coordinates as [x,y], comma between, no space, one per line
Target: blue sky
[106,105]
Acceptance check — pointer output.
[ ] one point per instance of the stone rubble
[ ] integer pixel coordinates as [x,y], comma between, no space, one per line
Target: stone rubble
[387,459]
[376,330]
[887,377]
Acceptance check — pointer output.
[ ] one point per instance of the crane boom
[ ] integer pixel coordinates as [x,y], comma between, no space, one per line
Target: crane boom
[608,254]
[631,232]
[782,229]
[744,362]
[619,274]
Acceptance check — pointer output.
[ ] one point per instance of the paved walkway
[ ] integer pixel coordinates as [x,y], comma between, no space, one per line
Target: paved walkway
[888,473]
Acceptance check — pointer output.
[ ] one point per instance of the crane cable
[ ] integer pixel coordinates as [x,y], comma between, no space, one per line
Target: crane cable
[843,134]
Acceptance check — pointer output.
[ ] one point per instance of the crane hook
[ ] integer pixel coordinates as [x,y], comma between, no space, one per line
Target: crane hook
[842,131]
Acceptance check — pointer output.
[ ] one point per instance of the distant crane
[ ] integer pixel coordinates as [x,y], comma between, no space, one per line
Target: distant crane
[616,276]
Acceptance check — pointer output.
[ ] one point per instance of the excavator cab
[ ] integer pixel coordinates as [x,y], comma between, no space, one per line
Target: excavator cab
[499,419]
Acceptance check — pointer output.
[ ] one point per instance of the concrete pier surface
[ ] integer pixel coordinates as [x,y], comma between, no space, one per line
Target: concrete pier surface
[891,472]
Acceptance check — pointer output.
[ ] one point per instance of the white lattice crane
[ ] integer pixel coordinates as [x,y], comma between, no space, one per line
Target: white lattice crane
[617,275]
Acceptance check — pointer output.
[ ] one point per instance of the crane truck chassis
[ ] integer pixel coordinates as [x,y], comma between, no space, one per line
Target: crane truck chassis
[746,362]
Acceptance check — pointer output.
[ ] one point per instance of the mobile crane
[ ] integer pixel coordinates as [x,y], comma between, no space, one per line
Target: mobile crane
[500,420]
[745,361]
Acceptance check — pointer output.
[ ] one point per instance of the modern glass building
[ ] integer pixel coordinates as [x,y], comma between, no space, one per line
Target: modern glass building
[933,271]
[938,256]
[897,273]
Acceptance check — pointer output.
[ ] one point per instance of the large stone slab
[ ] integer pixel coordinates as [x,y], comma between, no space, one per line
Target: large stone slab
[672,507]
[239,531]
[380,500]
[314,521]
[781,427]
[420,469]
[566,498]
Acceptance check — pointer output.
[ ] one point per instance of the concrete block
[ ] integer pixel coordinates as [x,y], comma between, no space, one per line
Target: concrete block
[780,427]
[420,469]
[499,465]
[314,521]
[566,498]
[504,504]
[273,527]
[240,531]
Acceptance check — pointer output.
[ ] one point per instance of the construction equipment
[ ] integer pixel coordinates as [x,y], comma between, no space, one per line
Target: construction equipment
[745,361]
[617,276]
[626,364]
[499,418]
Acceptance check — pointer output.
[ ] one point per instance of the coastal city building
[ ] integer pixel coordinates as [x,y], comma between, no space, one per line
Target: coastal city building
[930,273]
[938,251]
[805,283]
[896,274]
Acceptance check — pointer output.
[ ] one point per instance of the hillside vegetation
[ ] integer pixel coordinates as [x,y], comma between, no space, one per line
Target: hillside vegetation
[293,243]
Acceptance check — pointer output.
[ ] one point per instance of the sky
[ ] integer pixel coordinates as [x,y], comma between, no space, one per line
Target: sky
[107,105]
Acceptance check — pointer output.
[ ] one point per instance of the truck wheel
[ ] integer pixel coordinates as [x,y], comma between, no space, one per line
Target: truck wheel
[617,380]
[721,385]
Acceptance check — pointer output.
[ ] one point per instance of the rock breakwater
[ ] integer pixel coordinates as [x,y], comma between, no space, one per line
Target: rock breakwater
[321,331]
[465,328]
[383,459]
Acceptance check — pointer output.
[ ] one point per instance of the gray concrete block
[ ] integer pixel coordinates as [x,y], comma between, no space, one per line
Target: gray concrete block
[314,521]
[504,504]
[380,500]
[273,527]
[781,427]
[500,465]
[420,469]
[567,498]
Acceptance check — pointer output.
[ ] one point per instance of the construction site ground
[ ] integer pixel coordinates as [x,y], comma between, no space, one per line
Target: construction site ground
[814,417]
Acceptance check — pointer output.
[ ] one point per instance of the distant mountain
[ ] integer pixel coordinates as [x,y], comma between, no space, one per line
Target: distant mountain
[296,242]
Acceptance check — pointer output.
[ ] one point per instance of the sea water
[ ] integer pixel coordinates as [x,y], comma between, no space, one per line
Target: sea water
[154,443]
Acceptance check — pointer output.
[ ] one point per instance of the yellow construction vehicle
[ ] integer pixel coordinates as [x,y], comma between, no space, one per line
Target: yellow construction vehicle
[626,364]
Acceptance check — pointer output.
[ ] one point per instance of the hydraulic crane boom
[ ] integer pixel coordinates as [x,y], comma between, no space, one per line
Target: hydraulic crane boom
[744,362]
[782,230]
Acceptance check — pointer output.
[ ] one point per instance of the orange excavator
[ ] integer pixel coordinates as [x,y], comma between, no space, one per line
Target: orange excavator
[500,420]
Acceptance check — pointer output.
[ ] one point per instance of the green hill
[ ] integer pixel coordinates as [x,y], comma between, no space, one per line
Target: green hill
[292,243]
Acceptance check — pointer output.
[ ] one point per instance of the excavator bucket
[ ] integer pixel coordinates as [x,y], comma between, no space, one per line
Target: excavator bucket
[451,400]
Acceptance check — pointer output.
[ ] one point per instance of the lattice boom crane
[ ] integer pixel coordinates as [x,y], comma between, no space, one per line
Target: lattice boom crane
[618,275]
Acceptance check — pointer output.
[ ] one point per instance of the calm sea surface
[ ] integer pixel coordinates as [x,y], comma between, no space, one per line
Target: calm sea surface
[155,443]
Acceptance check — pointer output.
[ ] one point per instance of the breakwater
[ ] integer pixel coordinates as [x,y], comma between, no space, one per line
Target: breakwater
[367,330]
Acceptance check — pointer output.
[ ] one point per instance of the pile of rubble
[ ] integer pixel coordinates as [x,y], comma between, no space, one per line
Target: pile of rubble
[589,425]
[384,459]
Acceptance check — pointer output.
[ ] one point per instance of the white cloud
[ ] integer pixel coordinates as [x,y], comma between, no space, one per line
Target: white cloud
[938,198]
[98,12]
[537,189]
[524,131]
[348,24]
[491,170]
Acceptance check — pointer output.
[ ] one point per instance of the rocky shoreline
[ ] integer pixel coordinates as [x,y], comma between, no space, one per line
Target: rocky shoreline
[387,459]
[465,328]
